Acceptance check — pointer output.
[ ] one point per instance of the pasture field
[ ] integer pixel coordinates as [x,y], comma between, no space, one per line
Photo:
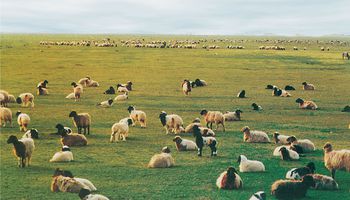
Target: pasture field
[118,170]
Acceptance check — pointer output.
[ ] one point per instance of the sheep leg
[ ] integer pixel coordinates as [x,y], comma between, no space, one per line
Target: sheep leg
[223,126]
[112,137]
[166,129]
[84,130]
[88,128]
[208,124]
[29,159]
[200,151]
[79,130]
[213,148]
[333,173]
[211,125]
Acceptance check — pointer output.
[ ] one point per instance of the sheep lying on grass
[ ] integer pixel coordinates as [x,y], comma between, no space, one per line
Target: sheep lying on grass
[280,139]
[5,116]
[298,173]
[306,145]
[184,144]
[241,94]
[336,160]
[70,96]
[246,165]
[122,88]
[211,117]
[85,194]
[308,86]
[121,97]
[233,116]
[65,155]
[256,107]
[162,160]
[106,104]
[323,182]
[84,182]
[258,196]
[81,121]
[32,133]
[61,129]
[288,155]
[254,136]
[110,90]
[306,104]
[66,184]
[292,189]
[73,139]
[280,93]
[229,180]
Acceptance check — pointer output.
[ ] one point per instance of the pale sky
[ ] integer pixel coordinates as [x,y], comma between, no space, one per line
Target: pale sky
[197,17]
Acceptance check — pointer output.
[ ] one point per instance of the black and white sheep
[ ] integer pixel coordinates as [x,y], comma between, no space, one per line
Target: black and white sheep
[211,117]
[184,144]
[137,116]
[336,160]
[110,90]
[289,87]
[198,83]
[32,133]
[162,160]
[122,88]
[43,84]
[171,123]
[5,116]
[61,129]
[229,180]
[298,173]
[292,189]
[233,116]
[65,155]
[254,136]
[201,141]
[280,139]
[246,165]
[81,121]
[306,104]
[25,99]
[186,87]
[23,149]
[106,104]
[241,94]
[306,145]
[23,120]
[42,91]
[256,107]
[288,155]
[258,196]
[280,93]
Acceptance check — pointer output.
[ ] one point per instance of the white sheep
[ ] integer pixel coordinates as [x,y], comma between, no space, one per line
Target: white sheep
[162,160]
[25,99]
[106,104]
[233,116]
[276,152]
[85,194]
[137,116]
[254,136]
[280,139]
[70,96]
[171,122]
[336,160]
[23,120]
[306,145]
[120,130]
[184,144]
[246,165]
[121,88]
[121,97]
[30,147]
[93,84]
[5,116]
[84,81]
[287,154]
[65,155]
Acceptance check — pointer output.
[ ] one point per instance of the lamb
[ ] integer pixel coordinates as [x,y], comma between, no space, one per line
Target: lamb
[308,86]
[19,150]
[5,116]
[298,173]
[110,91]
[171,122]
[42,91]
[281,93]
[137,116]
[4,100]
[61,129]
[121,97]
[186,87]
[256,107]
[306,104]
[25,99]
[162,160]
[70,96]
[23,120]
[233,116]
[292,189]
[73,139]
[289,87]
[241,94]
[201,141]
[77,90]
[306,145]
[213,117]
[336,160]
[120,130]
[323,182]
[229,180]
[254,136]
[184,144]
[288,155]
[81,120]
[106,104]
[66,184]
[85,182]
[121,88]
[85,194]
[43,84]
[258,196]
[32,133]
[246,165]
[280,139]
[65,155]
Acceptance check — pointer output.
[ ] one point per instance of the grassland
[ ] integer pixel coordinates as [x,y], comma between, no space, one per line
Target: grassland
[119,169]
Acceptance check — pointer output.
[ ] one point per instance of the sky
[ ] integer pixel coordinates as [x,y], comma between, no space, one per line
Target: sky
[195,17]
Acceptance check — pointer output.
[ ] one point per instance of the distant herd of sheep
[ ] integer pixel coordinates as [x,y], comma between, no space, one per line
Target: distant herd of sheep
[298,179]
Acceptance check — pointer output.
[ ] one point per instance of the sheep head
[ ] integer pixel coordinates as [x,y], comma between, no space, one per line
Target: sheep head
[18,113]
[19,100]
[275,137]
[131,108]
[328,147]
[65,148]
[177,139]
[166,149]
[73,114]
[12,139]
[83,193]
[162,117]
[291,139]
[299,100]
[203,112]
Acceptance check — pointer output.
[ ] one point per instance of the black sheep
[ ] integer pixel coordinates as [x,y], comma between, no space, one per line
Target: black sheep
[110,91]
[241,94]
[289,87]
[19,150]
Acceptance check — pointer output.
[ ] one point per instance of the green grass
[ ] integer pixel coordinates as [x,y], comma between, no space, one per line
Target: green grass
[119,170]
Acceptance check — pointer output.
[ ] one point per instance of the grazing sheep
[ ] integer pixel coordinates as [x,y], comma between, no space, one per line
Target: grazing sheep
[65,155]
[254,136]
[84,81]
[171,122]
[280,139]
[5,116]
[43,84]
[229,180]
[32,133]
[184,144]
[106,104]
[241,94]
[25,99]
[77,90]
[345,55]
[186,87]
[120,130]
[201,141]
[289,87]
[292,189]
[61,129]
[66,184]
[336,160]
[162,160]
[288,155]
[19,150]
[346,109]
[121,97]
[233,116]
[73,139]
[306,104]
[258,196]
[81,120]
[308,86]
[110,91]
[23,120]
[280,93]
[246,165]
[298,173]
[85,194]
[323,182]
[306,145]
[213,117]
[256,107]
[137,116]
[121,88]
[4,100]
[70,96]
[85,182]
[42,91]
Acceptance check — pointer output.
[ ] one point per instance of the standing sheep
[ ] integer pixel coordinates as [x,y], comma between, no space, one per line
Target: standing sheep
[23,120]
[29,148]
[77,90]
[184,144]
[4,100]
[306,104]
[254,136]
[5,116]
[292,189]
[81,120]
[186,87]
[19,150]
[42,91]
[336,160]
[25,99]
[172,123]
[229,180]
[162,160]
[120,130]
[246,165]
[201,141]
[211,117]
[233,116]
[137,116]
[308,86]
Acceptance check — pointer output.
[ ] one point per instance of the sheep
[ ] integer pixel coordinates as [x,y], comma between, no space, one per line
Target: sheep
[254,136]
[298,173]
[11,98]
[288,155]
[70,96]
[162,160]
[121,97]
[120,130]
[346,109]
[306,145]
[184,144]
[198,83]
[258,196]
[289,87]
[171,122]
[186,87]
[271,87]
[323,182]
[19,150]
[93,84]
[189,128]
[345,55]
[213,117]
[241,94]
[65,155]
[42,91]
[81,120]
[77,90]
[280,139]
[137,116]
[25,99]
[85,182]
[201,141]
[110,91]
[233,116]
[66,184]
[4,100]
[85,194]
[281,93]
[128,85]
[336,160]
[23,120]
[229,180]
[32,133]
[276,152]
[121,88]
[106,104]
[85,81]
[5,116]
[256,107]
[308,86]
[61,129]
[246,165]
[73,139]
[43,84]
[292,189]
[306,104]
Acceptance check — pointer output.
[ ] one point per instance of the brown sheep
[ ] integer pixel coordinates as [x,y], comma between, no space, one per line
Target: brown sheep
[81,120]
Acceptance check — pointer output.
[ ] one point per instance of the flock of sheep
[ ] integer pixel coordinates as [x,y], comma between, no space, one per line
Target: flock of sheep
[297,181]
